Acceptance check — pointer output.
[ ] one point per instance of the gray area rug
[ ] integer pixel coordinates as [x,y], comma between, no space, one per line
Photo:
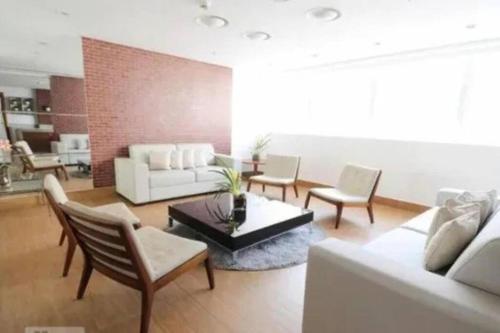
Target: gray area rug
[286,250]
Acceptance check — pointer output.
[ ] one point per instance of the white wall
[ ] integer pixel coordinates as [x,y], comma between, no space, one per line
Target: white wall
[23,120]
[412,171]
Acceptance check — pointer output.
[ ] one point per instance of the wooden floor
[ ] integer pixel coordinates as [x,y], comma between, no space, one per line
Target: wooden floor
[33,293]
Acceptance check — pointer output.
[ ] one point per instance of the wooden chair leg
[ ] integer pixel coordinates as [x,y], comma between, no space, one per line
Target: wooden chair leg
[70,252]
[147,305]
[340,207]
[210,272]
[61,238]
[308,198]
[284,194]
[370,212]
[56,173]
[249,186]
[296,190]
[263,187]
[65,172]
[84,281]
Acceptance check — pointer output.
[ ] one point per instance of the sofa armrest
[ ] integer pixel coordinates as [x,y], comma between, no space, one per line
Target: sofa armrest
[58,147]
[228,161]
[349,289]
[132,180]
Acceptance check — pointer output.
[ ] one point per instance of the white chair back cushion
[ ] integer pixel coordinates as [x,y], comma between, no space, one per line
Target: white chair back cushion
[75,141]
[52,185]
[478,265]
[358,180]
[86,215]
[25,149]
[282,166]
[140,153]
[208,148]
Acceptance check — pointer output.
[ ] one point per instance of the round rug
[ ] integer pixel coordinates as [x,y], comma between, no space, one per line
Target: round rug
[286,250]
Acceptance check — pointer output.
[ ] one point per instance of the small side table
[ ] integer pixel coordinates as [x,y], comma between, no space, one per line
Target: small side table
[255,167]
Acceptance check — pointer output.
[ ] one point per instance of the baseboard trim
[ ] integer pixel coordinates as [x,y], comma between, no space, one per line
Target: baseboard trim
[414,207]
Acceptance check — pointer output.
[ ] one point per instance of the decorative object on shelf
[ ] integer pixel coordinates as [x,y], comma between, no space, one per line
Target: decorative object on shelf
[28,104]
[5,181]
[232,184]
[14,104]
[260,146]
[46,108]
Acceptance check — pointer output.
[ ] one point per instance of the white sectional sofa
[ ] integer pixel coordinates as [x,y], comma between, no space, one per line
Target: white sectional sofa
[136,182]
[72,148]
[382,287]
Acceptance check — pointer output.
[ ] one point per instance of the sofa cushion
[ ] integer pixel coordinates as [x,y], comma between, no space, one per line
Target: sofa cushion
[188,159]
[140,153]
[478,265]
[486,200]
[401,245]
[451,238]
[207,174]
[165,178]
[159,160]
[208,148]
[421,223]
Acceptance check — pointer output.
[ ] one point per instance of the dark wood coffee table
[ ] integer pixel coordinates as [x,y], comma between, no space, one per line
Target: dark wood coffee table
[265,219]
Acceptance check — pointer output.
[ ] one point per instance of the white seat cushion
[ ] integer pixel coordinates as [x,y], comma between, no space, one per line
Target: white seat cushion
[207,174]
[45,163]
[165,178]
[404,246]
[165,252]
[272,180]
[421,223]
[119,209]
[334,194]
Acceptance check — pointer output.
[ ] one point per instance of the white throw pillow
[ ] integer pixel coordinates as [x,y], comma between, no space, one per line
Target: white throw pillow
[188,159]
[159,160]
[447,213]
[487,200]
[81,144]
[176,160]
[200,158]
[450,240]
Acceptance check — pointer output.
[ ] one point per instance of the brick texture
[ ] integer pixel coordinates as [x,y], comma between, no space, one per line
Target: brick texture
[42,97]
[136,96]
[67,97]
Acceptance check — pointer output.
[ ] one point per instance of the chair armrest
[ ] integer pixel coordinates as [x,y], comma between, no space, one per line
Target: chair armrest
[349,289]
[132,180]
[58,147]
[228,161]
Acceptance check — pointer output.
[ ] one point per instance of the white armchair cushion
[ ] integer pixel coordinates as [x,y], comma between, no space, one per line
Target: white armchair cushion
[358,180]
[450,240]
[272,180]
[159,160]
[188,159]
[176,160]
[52,185]
[282,166]
[333,194]
[119,209]
[165,252]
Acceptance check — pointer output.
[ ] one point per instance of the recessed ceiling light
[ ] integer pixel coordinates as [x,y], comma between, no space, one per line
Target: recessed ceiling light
[212,21]
[257,35]
[43,43]
[324,14]
[470,26]
[377,43]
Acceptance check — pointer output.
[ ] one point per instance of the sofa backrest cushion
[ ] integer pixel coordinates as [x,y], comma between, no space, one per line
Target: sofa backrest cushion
[75,141]
[479,264]
[208,148]
[140,153]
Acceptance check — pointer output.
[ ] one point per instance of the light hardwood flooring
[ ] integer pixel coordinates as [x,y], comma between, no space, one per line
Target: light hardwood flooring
[33,293]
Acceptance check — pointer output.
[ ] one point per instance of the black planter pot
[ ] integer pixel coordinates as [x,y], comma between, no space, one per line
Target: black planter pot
[240,208]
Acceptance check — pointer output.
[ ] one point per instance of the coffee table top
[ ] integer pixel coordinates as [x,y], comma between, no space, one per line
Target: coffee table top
[264,218]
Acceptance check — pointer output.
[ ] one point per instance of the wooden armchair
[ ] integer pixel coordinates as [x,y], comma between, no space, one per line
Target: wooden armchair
[356,188]
[281,171]
[145,259]
[33,163]
[55,196]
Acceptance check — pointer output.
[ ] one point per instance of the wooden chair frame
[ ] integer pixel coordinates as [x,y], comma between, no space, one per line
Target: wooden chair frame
[29,166]
[283,186]
[340,205]
[143,283]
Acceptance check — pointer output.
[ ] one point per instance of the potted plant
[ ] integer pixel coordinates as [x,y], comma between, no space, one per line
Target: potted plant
[260,145]
[5,182]
[232,184]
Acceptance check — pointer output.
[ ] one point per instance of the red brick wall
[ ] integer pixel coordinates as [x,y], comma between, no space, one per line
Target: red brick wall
[42,97]
[67,96]
[136,96]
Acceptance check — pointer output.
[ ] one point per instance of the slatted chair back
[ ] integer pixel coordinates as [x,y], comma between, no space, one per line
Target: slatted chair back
[109,244]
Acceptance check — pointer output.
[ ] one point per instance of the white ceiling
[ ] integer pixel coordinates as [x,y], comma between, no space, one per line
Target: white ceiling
[36,35]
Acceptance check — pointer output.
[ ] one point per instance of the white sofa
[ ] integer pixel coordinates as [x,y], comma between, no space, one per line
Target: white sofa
[136,182]
[383,288]
[72,148]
